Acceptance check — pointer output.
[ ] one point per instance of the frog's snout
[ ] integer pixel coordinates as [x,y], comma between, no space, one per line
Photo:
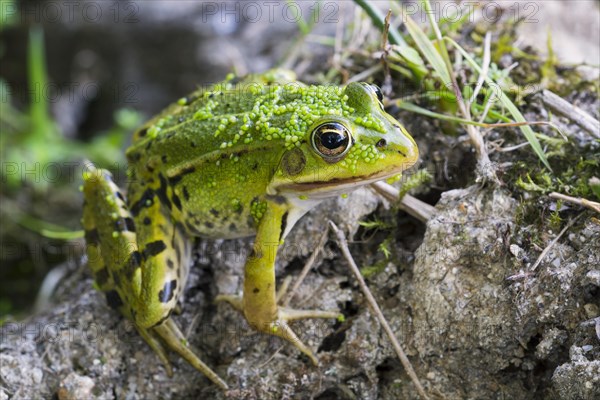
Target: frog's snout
[400,143]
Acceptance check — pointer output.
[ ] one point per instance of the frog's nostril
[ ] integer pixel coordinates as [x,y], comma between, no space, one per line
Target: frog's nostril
[381,143]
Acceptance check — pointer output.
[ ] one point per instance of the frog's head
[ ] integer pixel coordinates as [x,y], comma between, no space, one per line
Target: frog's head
[343,150]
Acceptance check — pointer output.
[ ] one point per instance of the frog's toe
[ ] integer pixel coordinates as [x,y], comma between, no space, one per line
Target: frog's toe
[158,348]
[173,338]
[291,314]
[280,327]
[235,301]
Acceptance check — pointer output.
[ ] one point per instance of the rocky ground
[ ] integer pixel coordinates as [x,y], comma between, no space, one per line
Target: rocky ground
[475,321]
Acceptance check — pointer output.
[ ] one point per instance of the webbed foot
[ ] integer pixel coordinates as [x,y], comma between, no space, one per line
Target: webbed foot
[168,335]
[278,324]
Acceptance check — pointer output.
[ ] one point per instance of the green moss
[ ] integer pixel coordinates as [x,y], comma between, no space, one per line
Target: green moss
[417,179]
[372,270]
[529,185]
[555,221]
[574,170]
[375,224]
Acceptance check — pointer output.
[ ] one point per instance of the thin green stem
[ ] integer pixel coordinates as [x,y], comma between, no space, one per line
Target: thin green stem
[379,21]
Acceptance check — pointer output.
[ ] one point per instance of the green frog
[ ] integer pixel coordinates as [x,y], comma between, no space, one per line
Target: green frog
[244,157]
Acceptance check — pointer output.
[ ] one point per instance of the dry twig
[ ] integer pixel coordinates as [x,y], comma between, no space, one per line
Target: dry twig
[562,107]
[341,239]
[415,207]
[592,205]
[553,242]
[307,267]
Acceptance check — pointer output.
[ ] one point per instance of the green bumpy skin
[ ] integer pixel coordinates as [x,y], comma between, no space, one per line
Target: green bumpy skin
[244,157]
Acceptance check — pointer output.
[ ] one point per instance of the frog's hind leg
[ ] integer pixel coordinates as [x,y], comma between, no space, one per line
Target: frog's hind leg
[146,286]
[111,244]
[166,256]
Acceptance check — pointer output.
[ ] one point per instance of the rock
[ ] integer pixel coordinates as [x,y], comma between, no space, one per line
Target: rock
[75,387]
[578,379]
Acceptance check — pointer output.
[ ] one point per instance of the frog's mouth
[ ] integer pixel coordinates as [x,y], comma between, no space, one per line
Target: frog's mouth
[335,186]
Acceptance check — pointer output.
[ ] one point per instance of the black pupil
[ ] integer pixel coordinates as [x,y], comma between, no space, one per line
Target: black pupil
[378,92]
[332,139]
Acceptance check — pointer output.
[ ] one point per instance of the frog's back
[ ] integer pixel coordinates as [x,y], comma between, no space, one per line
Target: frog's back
[211,190]
[208,157]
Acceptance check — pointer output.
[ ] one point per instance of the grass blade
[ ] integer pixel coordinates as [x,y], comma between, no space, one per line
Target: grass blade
[428,50]
[510,106]
[38,78]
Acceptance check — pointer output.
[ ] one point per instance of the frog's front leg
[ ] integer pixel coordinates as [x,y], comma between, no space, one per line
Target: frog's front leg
[259,301]
[140,259]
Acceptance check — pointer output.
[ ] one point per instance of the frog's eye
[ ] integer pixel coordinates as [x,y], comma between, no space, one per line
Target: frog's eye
[331,141]
[375,89]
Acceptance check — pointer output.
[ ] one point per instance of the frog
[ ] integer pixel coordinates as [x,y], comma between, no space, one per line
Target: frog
[244,157]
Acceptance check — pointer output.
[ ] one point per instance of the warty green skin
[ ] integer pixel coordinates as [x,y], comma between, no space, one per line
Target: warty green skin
[235,160]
